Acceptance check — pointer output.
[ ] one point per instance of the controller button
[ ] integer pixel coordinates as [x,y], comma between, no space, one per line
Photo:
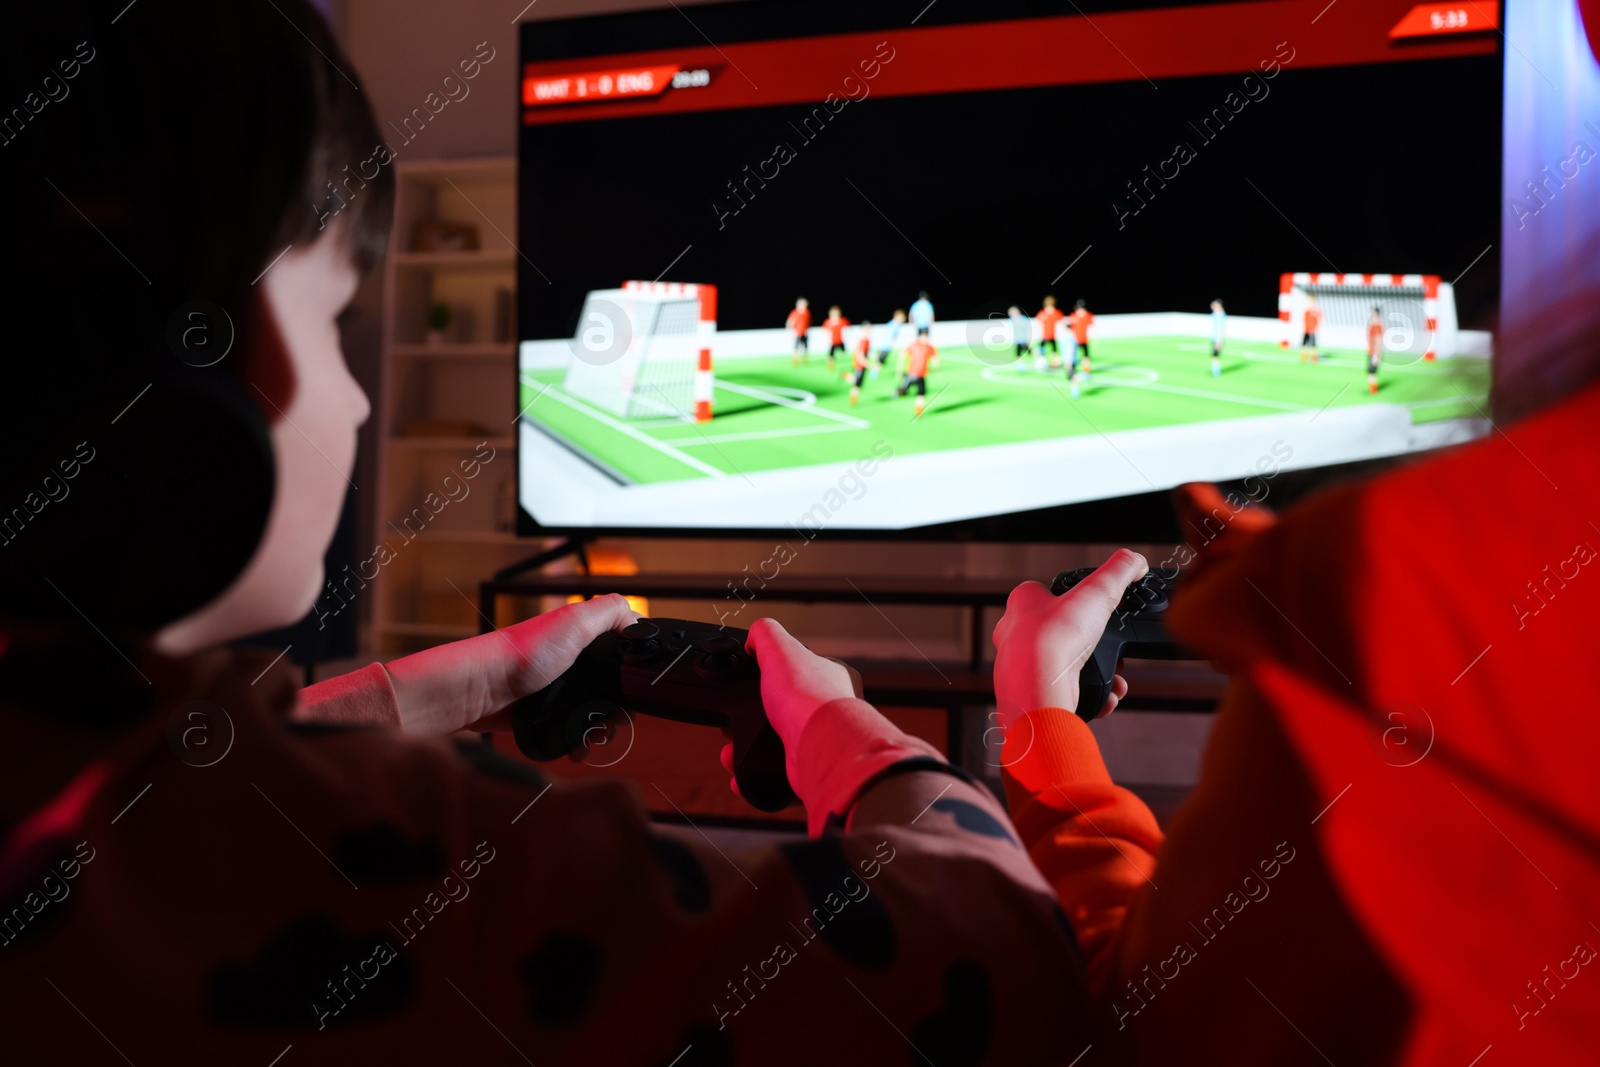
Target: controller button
[641,631]
[719,645]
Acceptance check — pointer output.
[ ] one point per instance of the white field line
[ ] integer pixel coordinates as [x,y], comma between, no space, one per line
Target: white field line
[1206,394]
[1419,366]
[1441,401]
[774,398]
[762,435]
[629,431]
[1181,390]
[1056,379]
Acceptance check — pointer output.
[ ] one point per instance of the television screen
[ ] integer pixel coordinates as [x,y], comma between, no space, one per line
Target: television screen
[992,269]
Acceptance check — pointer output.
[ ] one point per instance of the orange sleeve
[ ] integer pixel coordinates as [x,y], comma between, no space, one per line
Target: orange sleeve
[1094,841]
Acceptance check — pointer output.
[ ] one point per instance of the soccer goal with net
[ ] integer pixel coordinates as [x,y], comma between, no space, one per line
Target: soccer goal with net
[1418,312]
[644,351]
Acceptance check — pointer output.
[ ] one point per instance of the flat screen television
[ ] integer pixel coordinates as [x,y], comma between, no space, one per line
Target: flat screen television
[1078,253]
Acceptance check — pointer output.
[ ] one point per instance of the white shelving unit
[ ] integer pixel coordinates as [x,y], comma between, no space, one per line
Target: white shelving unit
[443,403]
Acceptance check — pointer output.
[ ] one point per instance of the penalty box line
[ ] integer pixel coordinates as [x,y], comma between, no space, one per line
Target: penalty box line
[838,422]
[1343,359]
[559,395]
[763,435]
[782,401]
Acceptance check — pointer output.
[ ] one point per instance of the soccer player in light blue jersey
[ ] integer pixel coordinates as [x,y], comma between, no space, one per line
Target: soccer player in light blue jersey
[1021,336]
[922,314]
[891,339]
[1219,332]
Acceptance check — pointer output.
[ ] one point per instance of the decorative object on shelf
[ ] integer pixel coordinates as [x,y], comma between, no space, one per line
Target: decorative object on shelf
[505,316]
[505,506]
[439,235]
[440,316]
[445,428]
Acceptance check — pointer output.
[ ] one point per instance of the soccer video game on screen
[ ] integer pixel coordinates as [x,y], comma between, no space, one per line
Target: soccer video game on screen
[807,266]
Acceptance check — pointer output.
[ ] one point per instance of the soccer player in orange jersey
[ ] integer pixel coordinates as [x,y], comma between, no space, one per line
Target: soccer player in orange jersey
[1313,319]
[862,360]
[1080,320]
[918,358]
[799,321]
[1049,318]
[1374,348]
[835,324]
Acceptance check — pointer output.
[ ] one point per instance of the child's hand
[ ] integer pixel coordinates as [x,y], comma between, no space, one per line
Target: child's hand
[795,682]
[1042,641]
[471,684]
[539,650]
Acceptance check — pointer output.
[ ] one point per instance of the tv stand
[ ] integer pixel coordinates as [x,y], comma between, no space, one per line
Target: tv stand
[573,546]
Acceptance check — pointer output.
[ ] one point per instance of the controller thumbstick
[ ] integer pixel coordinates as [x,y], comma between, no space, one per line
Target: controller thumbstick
[639,640]
[719,653]
[1068,579]
[719,645]
[1148,594]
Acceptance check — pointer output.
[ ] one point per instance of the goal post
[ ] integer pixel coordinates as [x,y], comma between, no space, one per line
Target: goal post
[1418,312]
[644,351]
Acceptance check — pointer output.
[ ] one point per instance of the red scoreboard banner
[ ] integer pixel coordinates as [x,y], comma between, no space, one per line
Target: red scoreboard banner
[1151,43]
[615,84]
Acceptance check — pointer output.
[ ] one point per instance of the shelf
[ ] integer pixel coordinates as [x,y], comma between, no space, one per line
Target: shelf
[473,537]
[455,350]
[428,629]
[482,259]
[445,444]
[461,389]
[487,166]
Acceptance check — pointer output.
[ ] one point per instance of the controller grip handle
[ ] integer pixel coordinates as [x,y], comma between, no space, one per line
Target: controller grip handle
[557,720]
[1096,679]
[759,763]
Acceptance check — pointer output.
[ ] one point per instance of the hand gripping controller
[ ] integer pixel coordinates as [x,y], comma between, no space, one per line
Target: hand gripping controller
[691,672]
[1136,629]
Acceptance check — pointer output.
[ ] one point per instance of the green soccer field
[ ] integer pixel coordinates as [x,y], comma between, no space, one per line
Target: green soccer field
[770,415]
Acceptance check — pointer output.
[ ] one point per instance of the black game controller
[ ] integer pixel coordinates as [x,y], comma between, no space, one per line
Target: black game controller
[1136,629]
[691,672]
